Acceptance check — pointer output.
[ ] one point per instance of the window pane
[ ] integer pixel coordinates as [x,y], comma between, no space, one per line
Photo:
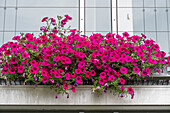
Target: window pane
[169,18]
[138,33]
[149,19]
[10,3]
[124,3]
[97,3]
[1,39]
[137,3]
[52,3]
[97,19]
[36,34]
[160,3]
[125,19]
[29,19]
[2,4]
[161,19]
[8,36]
[138,24]
[130,33]
[1,18]
[149,3]
[10,19]
[151,35]
[168,3]
[163,41]
[91,33]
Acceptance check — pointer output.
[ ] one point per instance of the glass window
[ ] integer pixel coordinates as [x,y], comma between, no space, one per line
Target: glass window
[1,18]
[169,18]
[1,38]
[125,19]
[97,3]
[45,3]
[124,3]
[8,36]
[10,3]
[29,19]
[131,33]
[149,3]
[138,33]
[163,41]
[150,19]
[151,35]
[160,3]
[138,23]
[97,19]
[168,3]
[2,4]
[161,17]
[91,33]
[10,19]
[137,3]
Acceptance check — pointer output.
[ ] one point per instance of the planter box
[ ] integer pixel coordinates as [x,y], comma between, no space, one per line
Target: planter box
[43,97]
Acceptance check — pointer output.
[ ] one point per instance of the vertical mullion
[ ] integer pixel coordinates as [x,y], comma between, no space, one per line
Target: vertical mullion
[82,16]
[156,21]
[16,15]
[168,26]
[4,22]
[111,15]
[117,16]
[144,16]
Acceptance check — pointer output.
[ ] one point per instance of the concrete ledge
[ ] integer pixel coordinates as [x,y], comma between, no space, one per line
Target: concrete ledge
[43,97]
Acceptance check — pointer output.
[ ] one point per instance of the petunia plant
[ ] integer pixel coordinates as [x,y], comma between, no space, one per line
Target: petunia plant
[64,58]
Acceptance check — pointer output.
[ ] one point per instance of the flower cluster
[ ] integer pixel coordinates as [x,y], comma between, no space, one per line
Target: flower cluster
[65,59]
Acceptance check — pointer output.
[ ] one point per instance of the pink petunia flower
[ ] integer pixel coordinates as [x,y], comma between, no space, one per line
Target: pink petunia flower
[20,69]
[122,81]
[79,79]
[13,60]
[12,71]
[136,69]
[57,75]
[45,79]
[130,90]
[123,70]
[111,78]
[25,55]
[73,88]
[65,86]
